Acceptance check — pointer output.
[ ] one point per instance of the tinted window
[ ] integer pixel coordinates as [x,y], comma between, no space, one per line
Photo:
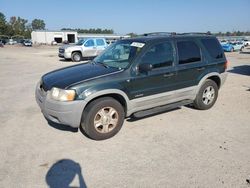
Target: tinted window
[159,55]
[213,48]
[89,43]
[188,52]
[100,42]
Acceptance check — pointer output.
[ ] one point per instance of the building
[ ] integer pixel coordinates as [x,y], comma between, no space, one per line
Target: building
[46,36]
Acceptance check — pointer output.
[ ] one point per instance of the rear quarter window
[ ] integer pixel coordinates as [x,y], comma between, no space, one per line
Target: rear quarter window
[213,47]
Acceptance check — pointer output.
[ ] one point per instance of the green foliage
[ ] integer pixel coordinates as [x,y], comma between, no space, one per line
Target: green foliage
[234,33]
[2,24]
[38,24]
[132,34]
[18,27]
[92,30]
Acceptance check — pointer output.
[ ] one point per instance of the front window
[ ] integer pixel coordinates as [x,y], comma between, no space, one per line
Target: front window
[120,54]
[80,42]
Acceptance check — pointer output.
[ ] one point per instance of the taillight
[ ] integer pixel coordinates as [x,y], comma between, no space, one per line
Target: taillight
[226,65]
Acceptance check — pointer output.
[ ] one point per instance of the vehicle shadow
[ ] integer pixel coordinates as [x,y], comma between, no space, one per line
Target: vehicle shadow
[242,69]
[134,118]
[62,173]
[244,52]
[65,60]
[61,126]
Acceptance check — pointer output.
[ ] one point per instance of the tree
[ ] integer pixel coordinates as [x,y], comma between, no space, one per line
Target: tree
[38,24]
[17,26]
[2,24]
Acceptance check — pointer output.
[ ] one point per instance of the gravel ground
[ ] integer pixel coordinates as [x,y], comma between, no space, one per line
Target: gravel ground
[180,148]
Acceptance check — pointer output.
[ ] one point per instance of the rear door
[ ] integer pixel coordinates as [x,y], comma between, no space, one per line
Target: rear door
[190,65]
[100,45]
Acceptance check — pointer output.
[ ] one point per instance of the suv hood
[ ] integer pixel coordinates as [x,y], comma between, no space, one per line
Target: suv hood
[65,77]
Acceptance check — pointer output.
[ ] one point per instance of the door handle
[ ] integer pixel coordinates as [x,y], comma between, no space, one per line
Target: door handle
[200,68]
[168,75]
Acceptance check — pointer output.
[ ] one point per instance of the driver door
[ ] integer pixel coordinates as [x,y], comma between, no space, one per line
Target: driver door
[89,49]
[153,88]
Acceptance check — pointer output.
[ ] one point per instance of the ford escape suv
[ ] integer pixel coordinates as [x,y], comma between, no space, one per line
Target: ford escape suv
[135,76]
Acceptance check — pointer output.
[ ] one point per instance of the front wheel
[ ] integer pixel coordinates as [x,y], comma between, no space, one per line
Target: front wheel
[103,118]
[206,96]
[76,56]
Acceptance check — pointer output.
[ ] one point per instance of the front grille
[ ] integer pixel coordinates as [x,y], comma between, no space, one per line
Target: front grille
[61,50]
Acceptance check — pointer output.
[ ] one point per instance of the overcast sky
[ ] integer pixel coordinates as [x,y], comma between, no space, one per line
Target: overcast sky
[137,16]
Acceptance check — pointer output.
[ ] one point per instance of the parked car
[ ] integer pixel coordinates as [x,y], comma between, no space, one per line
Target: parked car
[85,48]
[53,43]
[27,43]
[233,46]
[246,42]
[1,44]
[3,41]
[136,76]
[12,42]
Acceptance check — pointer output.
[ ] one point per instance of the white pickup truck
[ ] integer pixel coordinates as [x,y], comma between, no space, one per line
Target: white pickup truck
[84,48]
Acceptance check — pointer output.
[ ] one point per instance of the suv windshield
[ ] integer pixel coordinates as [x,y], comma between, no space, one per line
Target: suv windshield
[120,54]
[80,42]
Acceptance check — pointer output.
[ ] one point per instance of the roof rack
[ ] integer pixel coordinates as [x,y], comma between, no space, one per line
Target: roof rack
[159,33]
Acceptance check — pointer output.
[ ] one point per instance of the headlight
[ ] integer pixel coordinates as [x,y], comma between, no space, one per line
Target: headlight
[62,95]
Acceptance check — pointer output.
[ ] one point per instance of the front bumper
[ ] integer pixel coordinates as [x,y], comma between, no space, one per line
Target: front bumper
[66,55]
[66,113]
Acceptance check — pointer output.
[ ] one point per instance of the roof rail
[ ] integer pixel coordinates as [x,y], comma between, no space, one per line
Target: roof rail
[159,33]
[174,33]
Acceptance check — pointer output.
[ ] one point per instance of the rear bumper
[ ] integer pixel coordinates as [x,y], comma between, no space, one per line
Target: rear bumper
[66,113]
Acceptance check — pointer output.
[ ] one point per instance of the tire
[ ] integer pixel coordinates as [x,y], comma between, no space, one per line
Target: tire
[76,56]
[102,118]
[241,49]
[205,100]
[232,50]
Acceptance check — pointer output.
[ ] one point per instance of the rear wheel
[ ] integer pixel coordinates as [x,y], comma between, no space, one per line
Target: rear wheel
[76,56]
[207,95]
[102,118]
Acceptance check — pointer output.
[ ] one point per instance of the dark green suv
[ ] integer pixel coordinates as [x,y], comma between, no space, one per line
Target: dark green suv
[136,76]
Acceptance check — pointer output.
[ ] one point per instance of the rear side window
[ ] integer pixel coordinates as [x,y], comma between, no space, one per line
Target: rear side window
[188,52]
[213,48]
[100,42]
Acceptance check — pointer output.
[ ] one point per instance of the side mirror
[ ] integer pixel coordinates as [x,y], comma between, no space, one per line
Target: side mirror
[145,67]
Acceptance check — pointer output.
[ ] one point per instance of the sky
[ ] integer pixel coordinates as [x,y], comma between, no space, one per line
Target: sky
[138,16]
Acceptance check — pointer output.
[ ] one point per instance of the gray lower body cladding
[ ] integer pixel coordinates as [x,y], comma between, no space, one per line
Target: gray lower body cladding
[66,113]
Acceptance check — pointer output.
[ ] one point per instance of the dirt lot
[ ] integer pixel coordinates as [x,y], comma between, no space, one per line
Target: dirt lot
[180,148]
